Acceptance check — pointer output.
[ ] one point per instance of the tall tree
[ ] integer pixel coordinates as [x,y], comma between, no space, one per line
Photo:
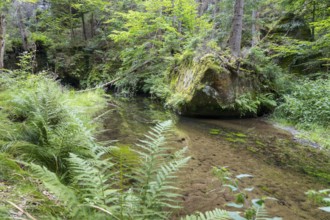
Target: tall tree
[2,32]
[2,39]
[21,26]
[255,32]
[235,39]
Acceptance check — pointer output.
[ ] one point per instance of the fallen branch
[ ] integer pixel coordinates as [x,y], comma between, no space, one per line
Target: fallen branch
[22,210]
[103,210]
[101,115]
[101,86]
[111,82]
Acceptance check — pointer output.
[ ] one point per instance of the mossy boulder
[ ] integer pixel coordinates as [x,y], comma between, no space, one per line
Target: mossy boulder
[293,26]
[214,85]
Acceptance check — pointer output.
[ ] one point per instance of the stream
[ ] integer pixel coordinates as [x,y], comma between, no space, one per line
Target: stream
[281,168]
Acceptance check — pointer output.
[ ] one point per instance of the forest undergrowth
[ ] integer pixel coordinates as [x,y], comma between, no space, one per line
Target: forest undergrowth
[48,145]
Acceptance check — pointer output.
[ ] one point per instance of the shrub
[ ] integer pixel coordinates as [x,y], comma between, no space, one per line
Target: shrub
[308,104]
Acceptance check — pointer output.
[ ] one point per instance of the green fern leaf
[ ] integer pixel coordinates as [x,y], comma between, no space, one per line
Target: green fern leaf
[216,214]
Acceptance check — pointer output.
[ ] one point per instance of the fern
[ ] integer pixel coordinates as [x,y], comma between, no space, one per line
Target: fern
[89,189]
[262,214]
[92,178]
[40,125]
[52,182]
[155,185]
[216,214]
[95,185]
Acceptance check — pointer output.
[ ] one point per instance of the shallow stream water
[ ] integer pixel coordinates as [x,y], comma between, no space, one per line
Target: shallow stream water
[244,146]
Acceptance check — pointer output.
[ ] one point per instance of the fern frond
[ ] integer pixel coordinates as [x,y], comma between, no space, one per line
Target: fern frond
[152,152]
[52,182]
[159,194]
[155,178]
[216,214]
[262,214]
[92,177]
[38,112]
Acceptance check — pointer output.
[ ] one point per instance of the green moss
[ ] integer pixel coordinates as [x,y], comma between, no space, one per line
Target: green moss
[190,74]
[252,149]
[241,135]
[214,131]
[312,171]
[260,143]
[266,189]
[235,140]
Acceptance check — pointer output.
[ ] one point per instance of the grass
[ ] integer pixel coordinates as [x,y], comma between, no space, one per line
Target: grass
[315,133]
[29,195]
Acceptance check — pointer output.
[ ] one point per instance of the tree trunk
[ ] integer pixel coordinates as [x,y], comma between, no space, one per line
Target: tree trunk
[92,25]
[235,39]
[255,28]
[2,39]
[202,6]
[174,18]
[71,23]
[22,28]
[83,26]
[214,16]
[313,20]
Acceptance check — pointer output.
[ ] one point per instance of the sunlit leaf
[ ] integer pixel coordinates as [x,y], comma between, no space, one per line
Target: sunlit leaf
[326,209]
[235,205]
[241,176]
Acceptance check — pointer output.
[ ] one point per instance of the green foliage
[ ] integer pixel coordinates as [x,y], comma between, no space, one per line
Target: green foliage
[4,3]
[304,56]
[26,63]
[42,121]
[95,186]
[215,214]
[53,183]
[321,197]
[249,103]
[151,35]
[307,104]
[156,174]
[246,103]
[41,39]
[8,167]
[318,197]
[267,70]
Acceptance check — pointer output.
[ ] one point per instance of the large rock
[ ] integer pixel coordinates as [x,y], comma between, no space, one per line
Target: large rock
[293,26]
[214,85]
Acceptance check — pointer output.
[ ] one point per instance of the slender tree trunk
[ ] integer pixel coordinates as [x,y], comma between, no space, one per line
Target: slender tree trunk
[92,25]
[83,26]
[235,39]
[179,18]
[214,16]
[255,28]
[71,23]
[202,6]
[174,19]
[313,20]
[22,28]
[2,39]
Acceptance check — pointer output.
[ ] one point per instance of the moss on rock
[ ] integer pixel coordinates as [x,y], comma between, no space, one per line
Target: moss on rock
[211,85]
